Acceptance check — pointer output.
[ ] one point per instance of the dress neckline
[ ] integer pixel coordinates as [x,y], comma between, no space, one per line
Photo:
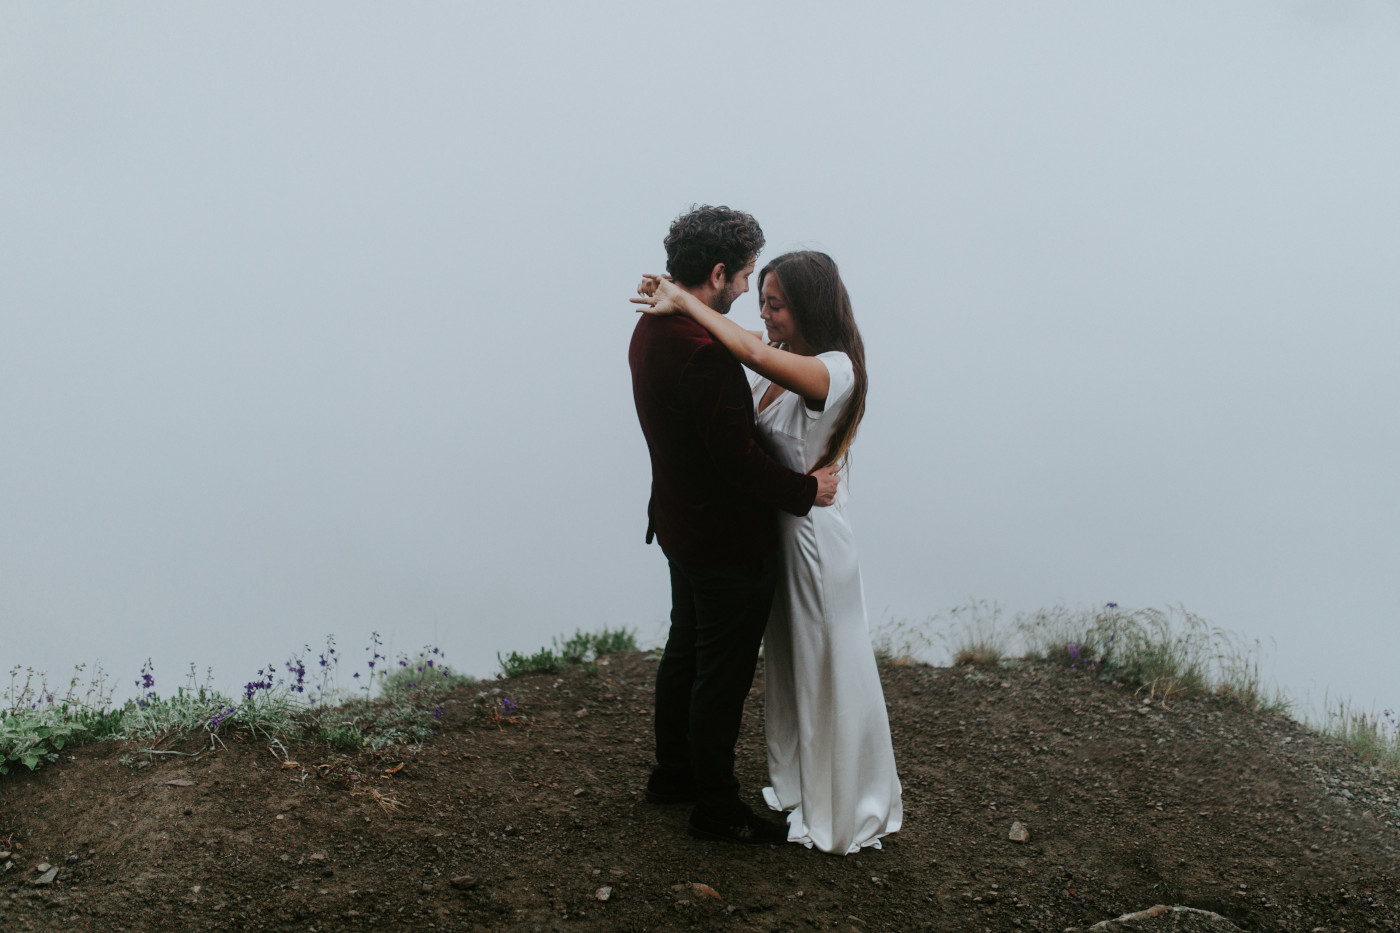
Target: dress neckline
[763,409]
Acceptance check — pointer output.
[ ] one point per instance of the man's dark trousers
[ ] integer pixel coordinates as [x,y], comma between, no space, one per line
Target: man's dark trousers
[718,614]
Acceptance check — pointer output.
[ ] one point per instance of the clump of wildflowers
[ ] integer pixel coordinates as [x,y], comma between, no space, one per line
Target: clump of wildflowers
[263,683]
[146,682]
[297,668]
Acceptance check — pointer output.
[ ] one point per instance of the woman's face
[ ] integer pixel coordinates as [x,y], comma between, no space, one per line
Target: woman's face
[777,317]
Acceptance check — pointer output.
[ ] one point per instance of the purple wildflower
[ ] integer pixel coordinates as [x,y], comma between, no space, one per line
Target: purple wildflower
[297,669]
[253,686]
[147,683]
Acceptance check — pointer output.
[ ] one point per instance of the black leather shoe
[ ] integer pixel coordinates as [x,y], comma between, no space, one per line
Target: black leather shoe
[742,826]
[664,789]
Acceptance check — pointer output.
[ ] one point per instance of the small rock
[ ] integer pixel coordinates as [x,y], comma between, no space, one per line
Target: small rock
[603,893]
[4,855]
[427,886]
[579,792]
[464,882]
[194,889]
[179,782]
[46,878]
[42,867]
[703,890]
[1019,833]
[317,856]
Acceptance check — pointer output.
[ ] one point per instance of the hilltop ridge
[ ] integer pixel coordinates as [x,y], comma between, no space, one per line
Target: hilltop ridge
[522,815]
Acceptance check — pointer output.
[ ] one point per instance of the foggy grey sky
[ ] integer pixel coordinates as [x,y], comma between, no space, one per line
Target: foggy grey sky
[313,319]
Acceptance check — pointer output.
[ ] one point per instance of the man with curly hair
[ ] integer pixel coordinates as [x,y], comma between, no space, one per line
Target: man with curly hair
[714,493]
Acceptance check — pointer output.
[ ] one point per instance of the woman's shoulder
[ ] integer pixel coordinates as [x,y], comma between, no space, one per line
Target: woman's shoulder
[839,368]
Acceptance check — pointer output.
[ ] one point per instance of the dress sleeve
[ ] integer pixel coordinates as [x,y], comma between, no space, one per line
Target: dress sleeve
[842,381]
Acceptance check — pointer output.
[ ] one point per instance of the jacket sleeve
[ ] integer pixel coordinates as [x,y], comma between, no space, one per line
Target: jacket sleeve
[713,386]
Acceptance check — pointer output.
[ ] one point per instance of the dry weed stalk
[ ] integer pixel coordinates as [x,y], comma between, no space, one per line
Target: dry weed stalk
[386,803]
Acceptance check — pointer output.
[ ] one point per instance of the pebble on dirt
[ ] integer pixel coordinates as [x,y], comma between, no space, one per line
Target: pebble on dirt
[46,878]
[604,893]
[1019,833]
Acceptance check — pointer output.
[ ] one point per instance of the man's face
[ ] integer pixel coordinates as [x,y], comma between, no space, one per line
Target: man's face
[734,286]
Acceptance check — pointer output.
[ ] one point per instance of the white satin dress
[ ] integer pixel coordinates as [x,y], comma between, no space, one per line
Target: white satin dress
[830,759]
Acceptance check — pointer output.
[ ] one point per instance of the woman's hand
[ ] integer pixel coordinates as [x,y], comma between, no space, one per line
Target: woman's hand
[659,295]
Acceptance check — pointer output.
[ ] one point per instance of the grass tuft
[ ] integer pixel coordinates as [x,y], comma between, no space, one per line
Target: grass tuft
[975,635]
[581,648]
[1373,736]
[543,661]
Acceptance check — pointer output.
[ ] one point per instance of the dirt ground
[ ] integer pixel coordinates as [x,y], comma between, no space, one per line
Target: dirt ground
[524,823]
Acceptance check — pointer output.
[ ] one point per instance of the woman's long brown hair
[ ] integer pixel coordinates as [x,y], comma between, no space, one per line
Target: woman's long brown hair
[821,308]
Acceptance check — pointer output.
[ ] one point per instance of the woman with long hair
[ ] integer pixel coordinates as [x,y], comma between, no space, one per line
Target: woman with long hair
[830,758]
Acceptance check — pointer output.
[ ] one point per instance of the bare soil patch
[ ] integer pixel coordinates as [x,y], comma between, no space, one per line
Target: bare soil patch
[521,823]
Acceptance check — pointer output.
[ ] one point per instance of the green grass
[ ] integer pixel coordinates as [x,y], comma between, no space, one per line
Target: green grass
[1167,653]
[391,703]
[1374,736]
[387,703]
[544,661]
[581,648]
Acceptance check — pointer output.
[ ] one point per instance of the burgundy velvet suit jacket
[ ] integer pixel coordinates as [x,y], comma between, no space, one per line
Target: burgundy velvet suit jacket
[713,488]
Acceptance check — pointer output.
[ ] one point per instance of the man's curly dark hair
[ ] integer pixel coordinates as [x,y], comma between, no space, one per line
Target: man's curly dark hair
[706,236]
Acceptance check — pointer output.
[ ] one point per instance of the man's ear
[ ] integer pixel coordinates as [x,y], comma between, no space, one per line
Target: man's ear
[718,277]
